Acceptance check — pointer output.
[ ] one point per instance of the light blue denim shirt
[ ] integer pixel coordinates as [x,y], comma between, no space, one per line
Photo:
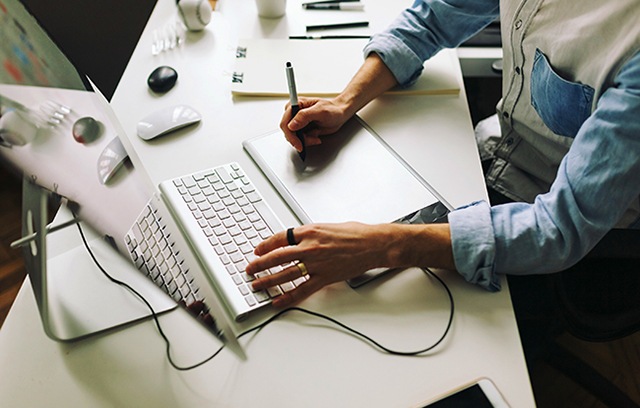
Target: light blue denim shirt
[596,181]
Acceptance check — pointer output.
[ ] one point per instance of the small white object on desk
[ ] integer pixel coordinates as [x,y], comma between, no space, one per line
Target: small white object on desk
[167,120]
[271,8]
[195,14]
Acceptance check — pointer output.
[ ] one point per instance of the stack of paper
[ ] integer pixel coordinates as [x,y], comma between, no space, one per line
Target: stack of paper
[323,68]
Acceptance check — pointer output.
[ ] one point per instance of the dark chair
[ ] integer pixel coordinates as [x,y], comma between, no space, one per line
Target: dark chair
[598,300]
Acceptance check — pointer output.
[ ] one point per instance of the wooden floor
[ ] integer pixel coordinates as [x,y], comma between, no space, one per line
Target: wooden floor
[12,270]
[618,361]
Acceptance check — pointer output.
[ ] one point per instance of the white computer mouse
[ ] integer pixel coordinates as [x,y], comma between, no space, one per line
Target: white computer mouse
[167,120]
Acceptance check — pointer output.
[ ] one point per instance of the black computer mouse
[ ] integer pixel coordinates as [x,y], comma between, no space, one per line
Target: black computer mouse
[162,79]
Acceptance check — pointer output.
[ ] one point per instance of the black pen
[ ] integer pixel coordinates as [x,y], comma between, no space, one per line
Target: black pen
[335,6]
[327,2]
[293,98]
[327,37]
[339,25]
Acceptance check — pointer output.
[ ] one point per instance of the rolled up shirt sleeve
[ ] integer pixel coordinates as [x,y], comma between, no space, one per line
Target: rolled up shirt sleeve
[424,29]
[473,240]
[597,181]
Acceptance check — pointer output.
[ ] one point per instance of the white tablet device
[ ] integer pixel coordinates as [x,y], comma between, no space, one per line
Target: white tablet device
[352,176]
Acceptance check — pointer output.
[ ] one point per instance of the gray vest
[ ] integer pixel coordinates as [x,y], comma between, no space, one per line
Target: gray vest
[580,43]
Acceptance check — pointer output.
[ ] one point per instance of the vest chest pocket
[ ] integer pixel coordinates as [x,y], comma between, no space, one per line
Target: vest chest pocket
[562,105]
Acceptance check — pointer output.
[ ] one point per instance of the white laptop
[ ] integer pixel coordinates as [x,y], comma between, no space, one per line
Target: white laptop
[74,298]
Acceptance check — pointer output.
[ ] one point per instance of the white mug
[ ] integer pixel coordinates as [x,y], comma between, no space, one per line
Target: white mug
[195,14]
[271,8]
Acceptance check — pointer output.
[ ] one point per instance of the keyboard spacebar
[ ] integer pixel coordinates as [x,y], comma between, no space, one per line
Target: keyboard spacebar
[268,216]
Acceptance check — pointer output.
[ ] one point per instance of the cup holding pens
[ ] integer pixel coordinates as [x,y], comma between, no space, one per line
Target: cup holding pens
[271,8]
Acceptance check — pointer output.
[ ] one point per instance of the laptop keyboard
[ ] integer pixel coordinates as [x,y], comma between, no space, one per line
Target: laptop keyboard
[153,253]
[225,218]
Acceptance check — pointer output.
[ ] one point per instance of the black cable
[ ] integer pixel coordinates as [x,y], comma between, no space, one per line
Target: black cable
[363,336]
[153,312]
[259,327]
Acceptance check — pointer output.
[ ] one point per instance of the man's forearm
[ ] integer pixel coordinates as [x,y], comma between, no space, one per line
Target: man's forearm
[426,245]
[372,79]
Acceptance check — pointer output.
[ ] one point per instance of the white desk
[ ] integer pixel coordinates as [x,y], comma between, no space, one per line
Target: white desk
[297,361]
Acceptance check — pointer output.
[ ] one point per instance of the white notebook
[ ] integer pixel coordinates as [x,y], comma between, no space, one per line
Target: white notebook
[260,68]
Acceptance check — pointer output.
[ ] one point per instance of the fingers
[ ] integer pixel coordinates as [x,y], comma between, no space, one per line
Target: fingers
[288,134]
[308,113]
[273,252]
[277,250]
[287,274]
[271,260]
[287,298]
[312,136]
[304,121]
[277,240]
[303,291]
[298,122]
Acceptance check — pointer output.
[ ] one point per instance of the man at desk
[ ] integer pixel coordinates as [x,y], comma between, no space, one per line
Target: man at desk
[568,159]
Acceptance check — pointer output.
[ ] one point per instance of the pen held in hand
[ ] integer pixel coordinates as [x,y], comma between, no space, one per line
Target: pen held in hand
[293,99]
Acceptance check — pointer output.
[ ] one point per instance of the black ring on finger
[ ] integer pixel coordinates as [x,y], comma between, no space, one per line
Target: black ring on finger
[290,238]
